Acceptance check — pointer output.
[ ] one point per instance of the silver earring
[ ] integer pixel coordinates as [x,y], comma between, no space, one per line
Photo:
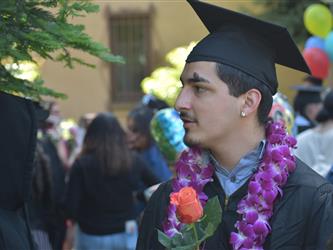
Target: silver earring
[242,114]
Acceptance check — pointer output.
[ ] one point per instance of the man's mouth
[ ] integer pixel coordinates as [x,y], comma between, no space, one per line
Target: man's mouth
[188,121]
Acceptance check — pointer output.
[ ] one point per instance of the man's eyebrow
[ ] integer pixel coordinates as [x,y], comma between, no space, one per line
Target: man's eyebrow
[195,78]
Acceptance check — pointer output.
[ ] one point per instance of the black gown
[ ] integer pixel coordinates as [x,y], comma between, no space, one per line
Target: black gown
[18,129]
[302,219]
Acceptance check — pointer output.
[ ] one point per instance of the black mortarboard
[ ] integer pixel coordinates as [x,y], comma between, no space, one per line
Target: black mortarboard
[308,88]
[246,43]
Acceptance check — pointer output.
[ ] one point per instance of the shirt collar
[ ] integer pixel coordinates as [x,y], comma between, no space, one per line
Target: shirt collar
[248,161]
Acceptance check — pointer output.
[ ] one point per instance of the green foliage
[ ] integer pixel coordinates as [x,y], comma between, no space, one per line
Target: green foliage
[192,235]
[288,13]
[42,27]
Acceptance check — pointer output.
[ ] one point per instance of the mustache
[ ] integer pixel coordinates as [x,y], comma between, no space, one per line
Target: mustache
[187,116]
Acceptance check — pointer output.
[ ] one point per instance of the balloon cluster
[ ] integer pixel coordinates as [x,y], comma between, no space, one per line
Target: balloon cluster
[164,82]
[282,111]
[318,49]
[168,132]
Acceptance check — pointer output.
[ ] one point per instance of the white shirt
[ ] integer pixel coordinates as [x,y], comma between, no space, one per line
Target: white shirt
[315,148]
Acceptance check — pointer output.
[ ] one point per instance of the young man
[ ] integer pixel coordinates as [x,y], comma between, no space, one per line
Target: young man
[228,83]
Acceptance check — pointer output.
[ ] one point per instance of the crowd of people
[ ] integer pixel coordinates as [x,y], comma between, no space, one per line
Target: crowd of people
[94,201]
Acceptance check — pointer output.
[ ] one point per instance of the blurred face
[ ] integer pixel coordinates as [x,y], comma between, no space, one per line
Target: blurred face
[210,114]
[312,110]
[54,118]
[135,139]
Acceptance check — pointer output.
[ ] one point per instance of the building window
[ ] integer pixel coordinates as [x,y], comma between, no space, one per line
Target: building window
[129,37]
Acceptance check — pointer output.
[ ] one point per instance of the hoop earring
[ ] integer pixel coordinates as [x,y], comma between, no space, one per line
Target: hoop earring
[242,114]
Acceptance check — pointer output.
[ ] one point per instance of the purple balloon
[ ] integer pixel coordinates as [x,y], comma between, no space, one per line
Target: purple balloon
[315,42]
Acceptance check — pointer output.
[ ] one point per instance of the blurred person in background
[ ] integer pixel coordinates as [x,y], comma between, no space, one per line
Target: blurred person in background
[139,138]
[41,208]
[307,103]
[315,146]
[55,149]
[80,132]
[102,186]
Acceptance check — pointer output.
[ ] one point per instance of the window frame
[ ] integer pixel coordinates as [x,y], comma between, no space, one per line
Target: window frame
[132,96]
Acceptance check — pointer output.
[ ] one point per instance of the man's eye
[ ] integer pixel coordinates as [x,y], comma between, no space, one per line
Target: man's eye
[199,89]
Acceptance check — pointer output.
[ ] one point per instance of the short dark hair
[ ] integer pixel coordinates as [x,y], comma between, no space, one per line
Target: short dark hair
[239,83]
[142,116]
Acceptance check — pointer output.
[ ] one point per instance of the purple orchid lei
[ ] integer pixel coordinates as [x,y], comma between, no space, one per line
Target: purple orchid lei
[193,170]
[265,186]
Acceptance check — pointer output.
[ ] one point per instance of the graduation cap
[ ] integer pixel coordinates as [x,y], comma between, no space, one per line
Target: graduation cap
[308,88]
[245,43]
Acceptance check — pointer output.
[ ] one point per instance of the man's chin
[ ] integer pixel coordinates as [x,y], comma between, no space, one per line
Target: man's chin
[190,141]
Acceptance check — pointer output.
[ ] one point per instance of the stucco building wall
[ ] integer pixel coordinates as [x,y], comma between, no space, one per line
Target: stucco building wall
[173,24]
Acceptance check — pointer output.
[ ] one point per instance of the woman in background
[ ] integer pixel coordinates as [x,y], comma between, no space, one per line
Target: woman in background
[41,206]
[101,187]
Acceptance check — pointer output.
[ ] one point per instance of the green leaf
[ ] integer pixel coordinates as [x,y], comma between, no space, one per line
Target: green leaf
[204,229]
[188,247]
[213,212]
[164,239]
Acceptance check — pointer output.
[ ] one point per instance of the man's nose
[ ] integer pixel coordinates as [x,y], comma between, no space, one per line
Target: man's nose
[183,101]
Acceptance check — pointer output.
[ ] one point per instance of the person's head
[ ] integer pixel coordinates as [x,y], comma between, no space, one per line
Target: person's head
[153,102]
[54,118]
[138,127]
[86,119]
[106,140]
[215,100]
[307,102]
[326,112]
[312,81]
[230,77]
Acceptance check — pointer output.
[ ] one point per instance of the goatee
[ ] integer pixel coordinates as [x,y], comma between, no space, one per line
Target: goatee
[190,142]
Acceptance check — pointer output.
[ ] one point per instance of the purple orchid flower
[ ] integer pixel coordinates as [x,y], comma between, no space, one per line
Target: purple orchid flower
[256,208]
[191,171]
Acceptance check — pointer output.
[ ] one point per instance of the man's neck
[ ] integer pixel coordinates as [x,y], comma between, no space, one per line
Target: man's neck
[229,152]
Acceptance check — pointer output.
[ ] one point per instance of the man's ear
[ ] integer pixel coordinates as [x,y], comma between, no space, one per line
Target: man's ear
[251,101]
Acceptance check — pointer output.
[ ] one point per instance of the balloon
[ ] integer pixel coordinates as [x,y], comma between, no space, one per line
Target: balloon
[315,42]
[282,111]
[329,46]
[318,20]
[168,131]
[318,62]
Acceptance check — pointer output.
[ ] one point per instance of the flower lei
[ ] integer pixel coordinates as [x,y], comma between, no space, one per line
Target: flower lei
[265,186]
[193,170]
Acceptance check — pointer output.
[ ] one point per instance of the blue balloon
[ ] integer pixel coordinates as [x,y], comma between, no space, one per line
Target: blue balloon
[168,131]
[315,42]
[329,46]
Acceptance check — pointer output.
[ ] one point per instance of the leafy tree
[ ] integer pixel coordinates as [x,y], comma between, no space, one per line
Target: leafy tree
[288,13]
[41,27]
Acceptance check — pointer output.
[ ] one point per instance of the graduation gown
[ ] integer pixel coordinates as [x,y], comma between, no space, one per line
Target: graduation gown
[18,128]
[302,219]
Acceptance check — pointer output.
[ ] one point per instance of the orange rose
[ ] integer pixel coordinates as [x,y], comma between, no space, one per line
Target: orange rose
[189,208]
